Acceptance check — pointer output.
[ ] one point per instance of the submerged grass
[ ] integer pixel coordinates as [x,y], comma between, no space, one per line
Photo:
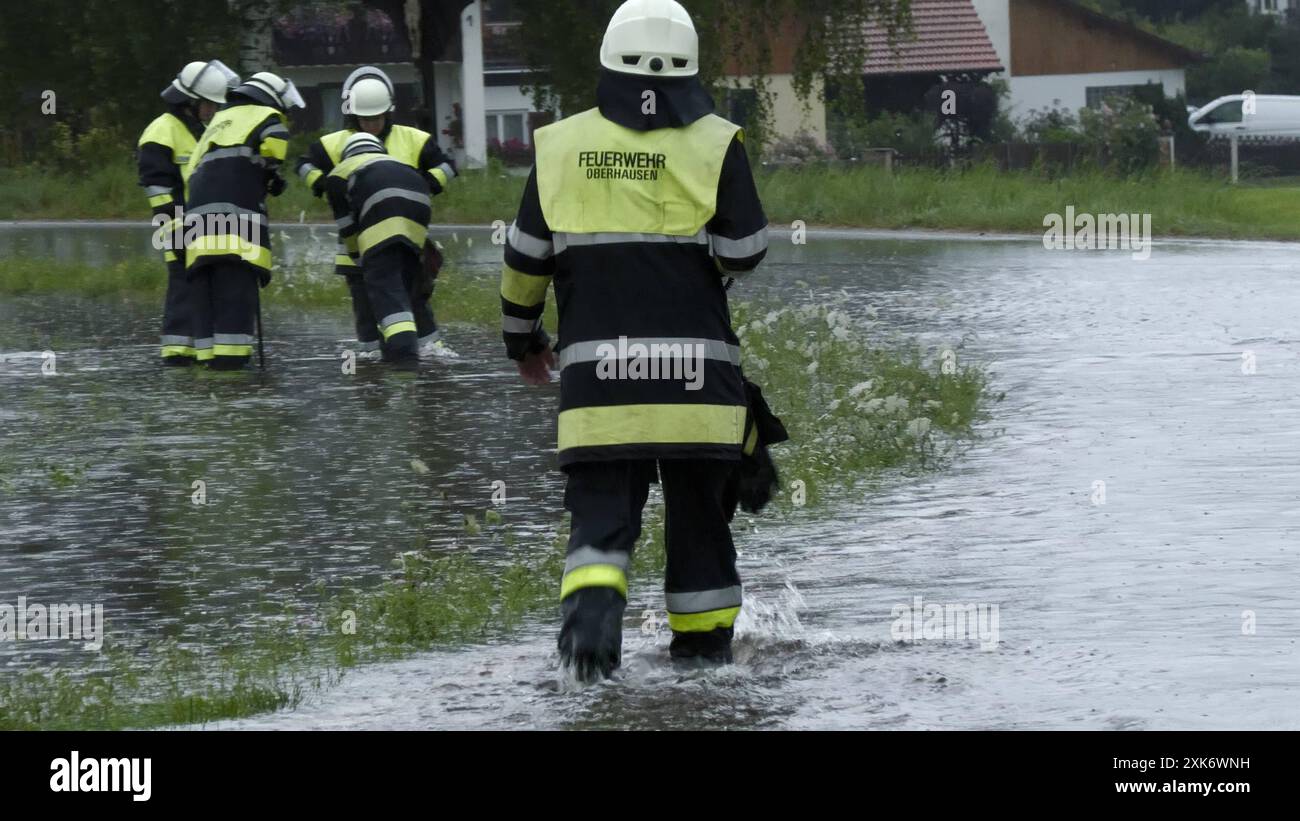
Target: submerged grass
[1182,203]
[458,298]
[853,409]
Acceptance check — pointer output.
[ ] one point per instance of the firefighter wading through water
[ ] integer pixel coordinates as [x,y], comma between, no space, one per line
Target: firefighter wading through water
[163,151]
[228,241]
[367,103]
[637,210]
[381,206]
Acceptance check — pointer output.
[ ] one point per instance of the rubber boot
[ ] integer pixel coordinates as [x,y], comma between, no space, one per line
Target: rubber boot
[713,647]
[591,634]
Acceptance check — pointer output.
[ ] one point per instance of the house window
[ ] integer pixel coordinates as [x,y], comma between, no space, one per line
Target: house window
[331,115]
[505,126]
[1096,95]
[501,11]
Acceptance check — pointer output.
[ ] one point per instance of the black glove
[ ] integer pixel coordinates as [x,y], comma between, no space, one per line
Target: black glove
[275,184]
[758,479]
[318,187]
[263,277]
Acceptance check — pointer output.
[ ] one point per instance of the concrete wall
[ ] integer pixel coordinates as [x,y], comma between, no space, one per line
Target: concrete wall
[446,88]
[1070,90]
[789,113]
[1044,91]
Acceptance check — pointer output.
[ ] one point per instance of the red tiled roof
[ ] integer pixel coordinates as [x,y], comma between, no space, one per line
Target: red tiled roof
[947,37]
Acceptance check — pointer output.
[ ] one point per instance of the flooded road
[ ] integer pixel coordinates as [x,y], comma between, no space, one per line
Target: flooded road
[1133,512]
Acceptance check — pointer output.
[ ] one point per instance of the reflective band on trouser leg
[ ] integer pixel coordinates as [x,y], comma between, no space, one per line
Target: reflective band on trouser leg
[232,345]
[203,349]
[704,610]
[594,575]
[397,323]
[177,345]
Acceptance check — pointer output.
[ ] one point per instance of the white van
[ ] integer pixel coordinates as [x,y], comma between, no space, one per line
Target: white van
[1257,116]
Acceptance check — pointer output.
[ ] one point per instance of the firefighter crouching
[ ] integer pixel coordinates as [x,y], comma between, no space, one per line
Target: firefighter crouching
[368,103]
[381,207]
[228,240]
[636,212]
[163,151]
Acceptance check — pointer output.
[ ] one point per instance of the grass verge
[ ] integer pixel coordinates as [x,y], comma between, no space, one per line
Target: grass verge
[1182,203]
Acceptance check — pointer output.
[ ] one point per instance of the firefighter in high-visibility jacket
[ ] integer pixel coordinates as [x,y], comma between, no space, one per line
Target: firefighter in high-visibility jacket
[637,210]
[227,237]
[162,152]
[368,103]
[381,207]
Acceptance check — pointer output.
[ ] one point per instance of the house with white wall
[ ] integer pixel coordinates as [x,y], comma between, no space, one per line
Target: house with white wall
[1059,54]
[1273,6]
[467,91]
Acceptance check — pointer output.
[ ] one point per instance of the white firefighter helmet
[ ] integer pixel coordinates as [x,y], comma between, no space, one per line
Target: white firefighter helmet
[362,143]
[651,37]
[282,93]
[369,97]
[367,92]
[208,81]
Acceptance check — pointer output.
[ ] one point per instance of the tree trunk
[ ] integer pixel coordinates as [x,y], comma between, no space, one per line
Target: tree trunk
[255,42]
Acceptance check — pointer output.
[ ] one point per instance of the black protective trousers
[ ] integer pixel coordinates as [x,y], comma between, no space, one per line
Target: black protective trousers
[178,317]
[701,585]
[223,299]
[387,274]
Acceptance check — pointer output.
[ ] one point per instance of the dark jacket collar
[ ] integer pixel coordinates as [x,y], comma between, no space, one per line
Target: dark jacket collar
[186,114]
[679,101]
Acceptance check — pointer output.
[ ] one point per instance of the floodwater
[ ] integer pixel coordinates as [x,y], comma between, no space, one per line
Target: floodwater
[1133,511]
